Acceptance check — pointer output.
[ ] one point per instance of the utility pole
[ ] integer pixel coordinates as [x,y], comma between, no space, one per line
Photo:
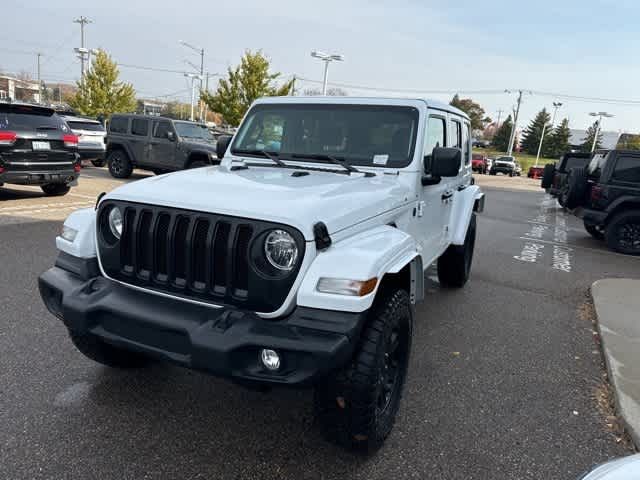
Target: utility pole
[512,139]
[39,80]
[292,92]
[498,122]
[200,51]
[556,106]
[82,21]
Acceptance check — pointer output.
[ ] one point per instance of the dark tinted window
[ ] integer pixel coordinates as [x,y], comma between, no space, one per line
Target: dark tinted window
[360,134]
[465,143]
[161,130]
[627,169]
[140,126]
[25,117]
[119,125]
[89,126]
[573,162]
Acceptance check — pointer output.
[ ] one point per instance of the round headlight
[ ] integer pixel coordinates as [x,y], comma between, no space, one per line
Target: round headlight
[115,222]
[281,250]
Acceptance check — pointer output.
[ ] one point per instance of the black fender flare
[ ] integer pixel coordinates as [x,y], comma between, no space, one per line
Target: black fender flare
[121,146]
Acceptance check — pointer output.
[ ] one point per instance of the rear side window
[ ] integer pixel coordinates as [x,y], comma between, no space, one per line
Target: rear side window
[627,170]
[24,117]
[575,162]
[140,127]
[119,125]
[457,134]
[597,164]
[465,144]
[88,126]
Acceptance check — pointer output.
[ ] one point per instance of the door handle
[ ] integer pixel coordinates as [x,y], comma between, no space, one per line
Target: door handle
[447,195]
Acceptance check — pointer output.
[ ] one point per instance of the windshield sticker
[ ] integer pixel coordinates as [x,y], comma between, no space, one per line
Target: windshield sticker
[380,159]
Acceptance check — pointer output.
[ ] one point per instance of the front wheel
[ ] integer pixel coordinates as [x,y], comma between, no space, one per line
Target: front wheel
[55,189]
[357,406]
[623,233]
[119,164]
[454,265]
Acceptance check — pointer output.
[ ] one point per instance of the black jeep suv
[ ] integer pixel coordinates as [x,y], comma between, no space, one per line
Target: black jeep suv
[554,177]
[158,144]
[606,195]
[37,148]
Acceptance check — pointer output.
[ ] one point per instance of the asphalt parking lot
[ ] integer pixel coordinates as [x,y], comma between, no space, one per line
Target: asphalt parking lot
[502,381]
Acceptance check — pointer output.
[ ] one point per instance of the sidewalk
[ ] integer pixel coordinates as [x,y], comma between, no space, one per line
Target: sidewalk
[617,303]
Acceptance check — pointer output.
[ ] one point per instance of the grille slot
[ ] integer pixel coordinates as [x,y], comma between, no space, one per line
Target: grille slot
[196,255]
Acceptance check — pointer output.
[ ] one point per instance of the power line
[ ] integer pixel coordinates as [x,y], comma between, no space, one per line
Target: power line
[151,69]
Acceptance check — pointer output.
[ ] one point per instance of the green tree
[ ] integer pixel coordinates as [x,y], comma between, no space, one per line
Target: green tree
[247,82]
[501,138]
[532,134]
[587,141]
[629,141]
[476,113]
[100,92]
[557,143]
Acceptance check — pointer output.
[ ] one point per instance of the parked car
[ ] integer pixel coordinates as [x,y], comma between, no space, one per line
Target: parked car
[518,169]
[297,265]
[506,165]
[479,163]
[37,148]
[625,468]
[481,144]
[606,195]
[91,138]
[158,144]
[554,176]
[535,172]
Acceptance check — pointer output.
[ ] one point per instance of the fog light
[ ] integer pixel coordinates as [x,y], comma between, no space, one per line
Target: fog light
[270,359]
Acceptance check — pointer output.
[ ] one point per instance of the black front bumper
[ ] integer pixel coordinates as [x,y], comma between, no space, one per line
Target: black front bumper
[591,217]
[221,341]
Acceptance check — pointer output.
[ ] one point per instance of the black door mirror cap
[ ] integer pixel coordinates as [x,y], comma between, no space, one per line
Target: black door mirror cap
[446,162]
[222,144]
[171,136]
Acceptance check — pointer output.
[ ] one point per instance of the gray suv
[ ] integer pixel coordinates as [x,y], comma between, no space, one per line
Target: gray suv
[158,144]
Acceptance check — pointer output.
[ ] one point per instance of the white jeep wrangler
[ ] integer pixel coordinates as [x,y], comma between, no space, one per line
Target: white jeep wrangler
[296,261]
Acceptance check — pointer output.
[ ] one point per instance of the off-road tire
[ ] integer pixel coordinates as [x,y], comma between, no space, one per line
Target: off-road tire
[454,265]
[98,351]
[547,175]
[356,407]
[576,188]
[594,231]
[120,165]
[198,164]
[55,189]
[99,163]
[622,233]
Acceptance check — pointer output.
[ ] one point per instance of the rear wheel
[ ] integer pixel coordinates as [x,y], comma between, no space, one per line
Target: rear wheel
[454,265]
[357,406]
[119,164]
[623,233]
[55,189]
[98,351]
[547,175]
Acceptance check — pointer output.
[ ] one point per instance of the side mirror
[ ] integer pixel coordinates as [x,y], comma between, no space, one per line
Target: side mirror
[171,136]
[445,162]
[222,145]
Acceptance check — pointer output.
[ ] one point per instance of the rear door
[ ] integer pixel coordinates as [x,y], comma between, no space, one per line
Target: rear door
[162,150]
[139,139]
[625,178]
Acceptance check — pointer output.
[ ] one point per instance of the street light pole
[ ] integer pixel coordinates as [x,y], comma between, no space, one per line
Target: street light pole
[326,58]
[193,78]
[82,21]
[598,126]
[200,51]
[556,106]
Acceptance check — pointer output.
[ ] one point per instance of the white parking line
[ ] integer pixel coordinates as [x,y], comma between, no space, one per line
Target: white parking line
[42,206]
[79,195]
[45,209]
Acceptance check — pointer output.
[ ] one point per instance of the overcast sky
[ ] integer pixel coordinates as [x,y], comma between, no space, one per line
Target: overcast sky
[586,48]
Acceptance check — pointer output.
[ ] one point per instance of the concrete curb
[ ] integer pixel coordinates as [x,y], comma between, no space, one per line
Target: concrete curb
[617,305]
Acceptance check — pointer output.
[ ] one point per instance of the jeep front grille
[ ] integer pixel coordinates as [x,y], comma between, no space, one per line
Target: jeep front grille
[195,255]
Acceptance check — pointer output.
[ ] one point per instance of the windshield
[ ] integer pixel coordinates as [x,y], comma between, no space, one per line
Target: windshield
[505,159]
[368,135]
[193,130]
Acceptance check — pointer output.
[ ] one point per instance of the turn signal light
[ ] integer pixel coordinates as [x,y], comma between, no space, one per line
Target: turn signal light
[342,286]
[7,138]
[70,140]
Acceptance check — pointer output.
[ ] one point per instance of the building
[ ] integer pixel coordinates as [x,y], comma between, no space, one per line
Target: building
[609,139]
[152,108]
[12,88]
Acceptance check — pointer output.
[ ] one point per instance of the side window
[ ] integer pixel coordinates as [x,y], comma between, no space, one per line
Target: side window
[627,170]
[161,129]
[140,126]
[466,151]
[456,131]
[119,125]
[436,134]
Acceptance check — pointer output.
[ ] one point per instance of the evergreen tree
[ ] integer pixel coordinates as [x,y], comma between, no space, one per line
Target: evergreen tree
[587,142]
[100,92]
[558,142]
[532,134]
[247,82]
[501,138]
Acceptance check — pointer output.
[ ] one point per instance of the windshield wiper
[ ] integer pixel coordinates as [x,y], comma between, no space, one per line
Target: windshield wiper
[335,160]
[271,156]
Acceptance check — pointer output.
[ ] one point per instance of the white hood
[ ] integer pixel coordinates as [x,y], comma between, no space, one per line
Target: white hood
[273,194]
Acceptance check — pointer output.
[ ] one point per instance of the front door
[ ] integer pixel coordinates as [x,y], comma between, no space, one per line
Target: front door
[162,149]
[138,139]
